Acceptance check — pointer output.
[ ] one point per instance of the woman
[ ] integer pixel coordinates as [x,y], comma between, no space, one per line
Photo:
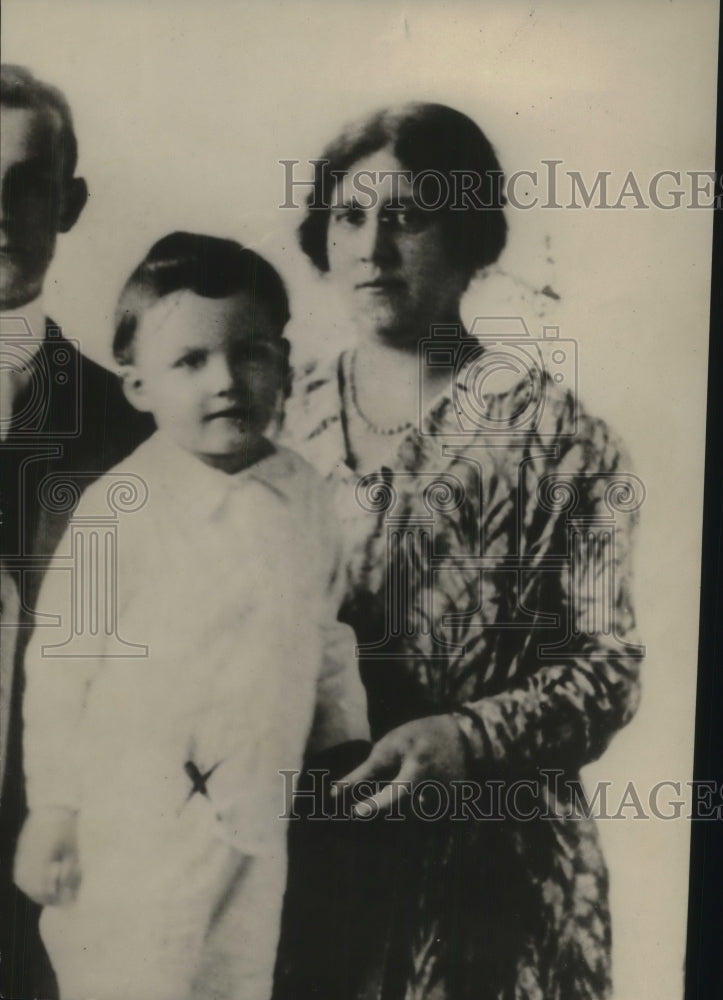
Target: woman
[484,579]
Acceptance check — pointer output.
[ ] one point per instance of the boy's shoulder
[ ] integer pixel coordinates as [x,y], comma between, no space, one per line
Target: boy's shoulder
[303,489]
[122,487]
[288,468]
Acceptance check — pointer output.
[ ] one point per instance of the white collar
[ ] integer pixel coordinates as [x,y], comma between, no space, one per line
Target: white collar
[205,489]
[25,325]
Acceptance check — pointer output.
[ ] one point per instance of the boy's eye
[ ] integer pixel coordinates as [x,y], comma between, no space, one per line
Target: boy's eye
[191,359]
[262,352]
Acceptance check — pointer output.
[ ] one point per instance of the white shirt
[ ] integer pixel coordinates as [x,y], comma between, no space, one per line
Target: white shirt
[228,582]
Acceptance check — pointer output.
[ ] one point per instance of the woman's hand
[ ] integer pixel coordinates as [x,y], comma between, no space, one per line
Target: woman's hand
[428,749]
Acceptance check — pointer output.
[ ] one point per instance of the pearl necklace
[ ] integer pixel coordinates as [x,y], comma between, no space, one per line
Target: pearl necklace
[374,428]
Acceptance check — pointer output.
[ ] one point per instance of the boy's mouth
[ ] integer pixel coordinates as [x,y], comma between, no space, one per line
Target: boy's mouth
[229,413]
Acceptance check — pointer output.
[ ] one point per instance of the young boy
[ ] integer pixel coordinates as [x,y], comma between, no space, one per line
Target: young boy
[154,836]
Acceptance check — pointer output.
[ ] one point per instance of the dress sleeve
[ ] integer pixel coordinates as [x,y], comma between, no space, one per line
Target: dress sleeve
[575,691]
[340,715]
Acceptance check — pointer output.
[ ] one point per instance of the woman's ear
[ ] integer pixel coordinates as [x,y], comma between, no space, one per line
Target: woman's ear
[134,387]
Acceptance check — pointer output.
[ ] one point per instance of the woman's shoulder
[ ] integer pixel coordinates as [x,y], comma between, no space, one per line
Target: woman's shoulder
[537,415]
[598,443]
[312,415]
[315,387]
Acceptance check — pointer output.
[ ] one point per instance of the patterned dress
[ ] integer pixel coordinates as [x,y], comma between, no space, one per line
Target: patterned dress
[488,576]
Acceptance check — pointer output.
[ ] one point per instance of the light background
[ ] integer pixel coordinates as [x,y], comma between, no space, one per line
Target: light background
[183,111]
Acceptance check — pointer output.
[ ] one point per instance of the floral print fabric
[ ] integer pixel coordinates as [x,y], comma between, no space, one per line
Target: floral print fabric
[488,575]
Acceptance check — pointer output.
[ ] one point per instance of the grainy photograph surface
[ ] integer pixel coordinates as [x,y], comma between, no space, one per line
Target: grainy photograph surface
[354,365]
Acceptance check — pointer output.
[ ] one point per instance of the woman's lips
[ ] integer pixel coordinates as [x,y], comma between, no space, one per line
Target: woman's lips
[381,284]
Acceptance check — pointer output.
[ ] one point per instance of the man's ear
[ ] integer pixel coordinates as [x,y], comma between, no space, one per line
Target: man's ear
[74,199]
[134,387]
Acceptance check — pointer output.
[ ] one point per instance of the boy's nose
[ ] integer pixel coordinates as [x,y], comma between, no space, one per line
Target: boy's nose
[220,375]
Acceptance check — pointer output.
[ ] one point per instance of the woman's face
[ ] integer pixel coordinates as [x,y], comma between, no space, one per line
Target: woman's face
[387,253]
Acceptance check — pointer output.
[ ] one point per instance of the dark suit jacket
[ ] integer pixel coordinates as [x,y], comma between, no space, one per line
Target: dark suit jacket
[73,424]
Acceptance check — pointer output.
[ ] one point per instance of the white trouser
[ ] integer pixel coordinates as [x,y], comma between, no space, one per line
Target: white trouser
[204,930]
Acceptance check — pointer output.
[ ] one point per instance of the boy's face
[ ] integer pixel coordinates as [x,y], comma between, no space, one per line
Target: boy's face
[210,372]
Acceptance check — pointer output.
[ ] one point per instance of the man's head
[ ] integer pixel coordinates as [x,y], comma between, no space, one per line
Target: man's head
[39,192]
[199,335]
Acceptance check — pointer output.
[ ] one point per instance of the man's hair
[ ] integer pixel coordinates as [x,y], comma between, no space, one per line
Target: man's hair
[20,89]
[208,266]
[429,138]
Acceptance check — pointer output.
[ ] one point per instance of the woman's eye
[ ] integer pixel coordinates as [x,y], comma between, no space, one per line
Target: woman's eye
[349,216]
[410,218]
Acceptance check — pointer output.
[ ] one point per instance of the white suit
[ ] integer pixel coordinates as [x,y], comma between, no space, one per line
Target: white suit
[172,759]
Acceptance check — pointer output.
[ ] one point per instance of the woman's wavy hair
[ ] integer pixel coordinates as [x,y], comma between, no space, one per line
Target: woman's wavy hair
[431,138]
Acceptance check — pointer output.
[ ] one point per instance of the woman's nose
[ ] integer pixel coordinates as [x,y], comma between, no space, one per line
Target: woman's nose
[378,246]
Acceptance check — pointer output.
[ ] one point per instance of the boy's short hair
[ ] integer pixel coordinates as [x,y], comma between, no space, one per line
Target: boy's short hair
[208,266]
[425,138]
[20,89]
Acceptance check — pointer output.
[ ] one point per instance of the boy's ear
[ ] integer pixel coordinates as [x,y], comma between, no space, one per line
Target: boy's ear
[287,371]
[134,387]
